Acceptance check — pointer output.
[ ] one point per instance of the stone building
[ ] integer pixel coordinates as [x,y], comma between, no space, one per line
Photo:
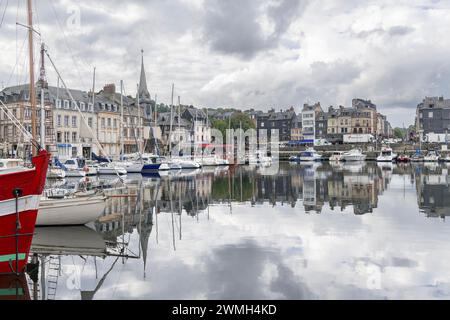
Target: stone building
[433,116]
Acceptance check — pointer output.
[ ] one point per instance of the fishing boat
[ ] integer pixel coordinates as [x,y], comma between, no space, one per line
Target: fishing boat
[386,155]
[354,155]
[432,156]
[310,155]
[19,202]
[337,156]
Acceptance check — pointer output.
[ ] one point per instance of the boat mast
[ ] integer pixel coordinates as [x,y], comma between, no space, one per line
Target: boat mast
[43,85]
[171,123]
[31,67]
[122,151]
[139,121]
[179,124]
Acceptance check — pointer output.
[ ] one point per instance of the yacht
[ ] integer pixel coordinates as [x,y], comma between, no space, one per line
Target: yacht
[186,163]
[111,168]
[55,173]
[417,157]
[432,156]
[337,156]
[74,169]
[310,155]
[354,155]
[386,155]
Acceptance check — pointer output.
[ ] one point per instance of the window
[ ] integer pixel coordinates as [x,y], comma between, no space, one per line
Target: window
[109,122]
[90,122]
[58,120]
[74,105]
[74,121]
[66,137]
[74,137]
[90,107]
[59,137]
[115,123]
[66,104]
[82,106]
[58,104]
[66,121]
[103,123]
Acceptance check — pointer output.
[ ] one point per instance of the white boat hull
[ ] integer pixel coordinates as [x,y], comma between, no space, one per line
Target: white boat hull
[67,212]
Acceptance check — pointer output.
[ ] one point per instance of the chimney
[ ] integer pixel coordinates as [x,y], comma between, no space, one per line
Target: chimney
[109,88]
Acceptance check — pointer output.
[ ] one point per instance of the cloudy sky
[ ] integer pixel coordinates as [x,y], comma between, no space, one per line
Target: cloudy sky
[255,53]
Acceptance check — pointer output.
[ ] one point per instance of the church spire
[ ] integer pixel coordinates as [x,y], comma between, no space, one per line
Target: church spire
[143,93]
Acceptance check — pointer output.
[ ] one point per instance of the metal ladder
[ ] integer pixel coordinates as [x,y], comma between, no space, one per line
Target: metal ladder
[54,268]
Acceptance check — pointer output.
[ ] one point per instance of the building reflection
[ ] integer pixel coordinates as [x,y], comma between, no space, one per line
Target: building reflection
[433,194]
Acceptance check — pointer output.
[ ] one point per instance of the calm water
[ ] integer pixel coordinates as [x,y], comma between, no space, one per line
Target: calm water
[359,231]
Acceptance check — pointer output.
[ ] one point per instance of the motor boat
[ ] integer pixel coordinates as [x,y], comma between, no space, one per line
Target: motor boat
[354,155]
[386,155]
[432,156]
[403,158]
[259,159]
[111,168]
[337,156]
[310,155]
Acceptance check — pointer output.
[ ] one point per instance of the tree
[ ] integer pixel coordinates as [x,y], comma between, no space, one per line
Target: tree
[399,133]
[243,119]
[220,125]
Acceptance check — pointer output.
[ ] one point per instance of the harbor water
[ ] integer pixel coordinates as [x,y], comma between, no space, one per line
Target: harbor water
[314,231]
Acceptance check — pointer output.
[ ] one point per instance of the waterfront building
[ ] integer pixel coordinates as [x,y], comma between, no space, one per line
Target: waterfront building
[282,121]
[433,117]
[309,115]
[200,133]
[296,130]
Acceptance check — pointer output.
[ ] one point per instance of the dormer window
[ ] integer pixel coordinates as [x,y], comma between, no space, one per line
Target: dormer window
[66,104]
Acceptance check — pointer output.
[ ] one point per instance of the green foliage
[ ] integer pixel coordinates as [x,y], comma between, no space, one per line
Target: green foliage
[220,125]
[399,133]
[241,118]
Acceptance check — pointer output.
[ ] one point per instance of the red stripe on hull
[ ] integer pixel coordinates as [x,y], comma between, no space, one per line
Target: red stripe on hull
[8,239]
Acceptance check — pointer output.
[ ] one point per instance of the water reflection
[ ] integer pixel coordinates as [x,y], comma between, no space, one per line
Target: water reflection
[311,231]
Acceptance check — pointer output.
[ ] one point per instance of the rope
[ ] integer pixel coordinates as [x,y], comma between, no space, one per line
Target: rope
[4,12]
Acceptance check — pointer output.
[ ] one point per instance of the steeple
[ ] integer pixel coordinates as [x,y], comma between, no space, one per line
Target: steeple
[144,95]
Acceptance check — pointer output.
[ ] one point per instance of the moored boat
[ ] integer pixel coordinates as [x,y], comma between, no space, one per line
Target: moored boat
[310,155]
[354,155]
[432,156]
[337,156]
[403,158]
[19,202]
[386,155]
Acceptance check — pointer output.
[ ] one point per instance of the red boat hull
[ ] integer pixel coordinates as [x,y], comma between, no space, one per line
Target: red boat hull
[15,242]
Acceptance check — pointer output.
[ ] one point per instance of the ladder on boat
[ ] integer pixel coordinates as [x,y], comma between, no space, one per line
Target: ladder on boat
[54,269]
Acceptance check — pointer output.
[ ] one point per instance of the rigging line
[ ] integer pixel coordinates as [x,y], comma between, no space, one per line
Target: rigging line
[8,83]
[4,12]
[68,46]
[94,137]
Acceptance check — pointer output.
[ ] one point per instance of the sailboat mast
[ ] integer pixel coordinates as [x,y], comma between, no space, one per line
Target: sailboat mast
[179,123]
[171,123]
[31,67]
[139,121]
[42,81]
[121,118]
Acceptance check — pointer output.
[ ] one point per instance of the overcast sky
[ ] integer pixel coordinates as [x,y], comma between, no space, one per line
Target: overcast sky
[255,53]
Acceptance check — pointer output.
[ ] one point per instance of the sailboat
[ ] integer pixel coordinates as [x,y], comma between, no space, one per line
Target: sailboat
[21,187]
